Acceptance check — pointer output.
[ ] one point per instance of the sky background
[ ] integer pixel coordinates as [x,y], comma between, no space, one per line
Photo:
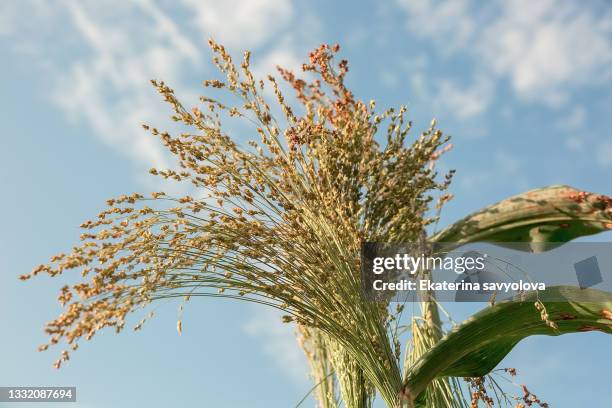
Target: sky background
[522,86]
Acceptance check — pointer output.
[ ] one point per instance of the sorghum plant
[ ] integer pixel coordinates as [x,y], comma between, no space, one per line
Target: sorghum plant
[279,220]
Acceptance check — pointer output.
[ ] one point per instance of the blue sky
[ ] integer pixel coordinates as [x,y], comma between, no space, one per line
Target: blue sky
[522,86]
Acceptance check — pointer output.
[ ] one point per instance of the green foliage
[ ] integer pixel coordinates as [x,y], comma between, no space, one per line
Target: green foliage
[546,218]
[551,214]
[475,347]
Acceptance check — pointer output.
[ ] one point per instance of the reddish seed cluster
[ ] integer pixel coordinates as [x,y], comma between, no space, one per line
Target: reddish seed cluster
[529,399]
[341,105]
[305,132]
[600,201]
[478,392]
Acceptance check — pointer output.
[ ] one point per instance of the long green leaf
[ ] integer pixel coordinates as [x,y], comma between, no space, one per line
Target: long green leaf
[549,214]
[545,218]
[476,346]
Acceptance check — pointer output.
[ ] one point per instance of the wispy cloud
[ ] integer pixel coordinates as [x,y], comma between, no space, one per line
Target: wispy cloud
[109,52]
[464,102]
[543,49]
[240,23]
[108,85]
[547,47]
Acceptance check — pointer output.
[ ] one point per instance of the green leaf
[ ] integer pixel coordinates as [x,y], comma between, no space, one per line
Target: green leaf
[475,347]
[552,214]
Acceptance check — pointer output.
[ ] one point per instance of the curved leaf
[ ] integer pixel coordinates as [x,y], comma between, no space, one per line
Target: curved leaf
[476,346]
[549,214]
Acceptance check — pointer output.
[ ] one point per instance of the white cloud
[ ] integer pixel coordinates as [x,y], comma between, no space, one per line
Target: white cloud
[103,55]
[464,102]
[242,23]
[448,21]
[448,95]
[279,342]
[283,55]
[545,46]
[109,86]
[544,49]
